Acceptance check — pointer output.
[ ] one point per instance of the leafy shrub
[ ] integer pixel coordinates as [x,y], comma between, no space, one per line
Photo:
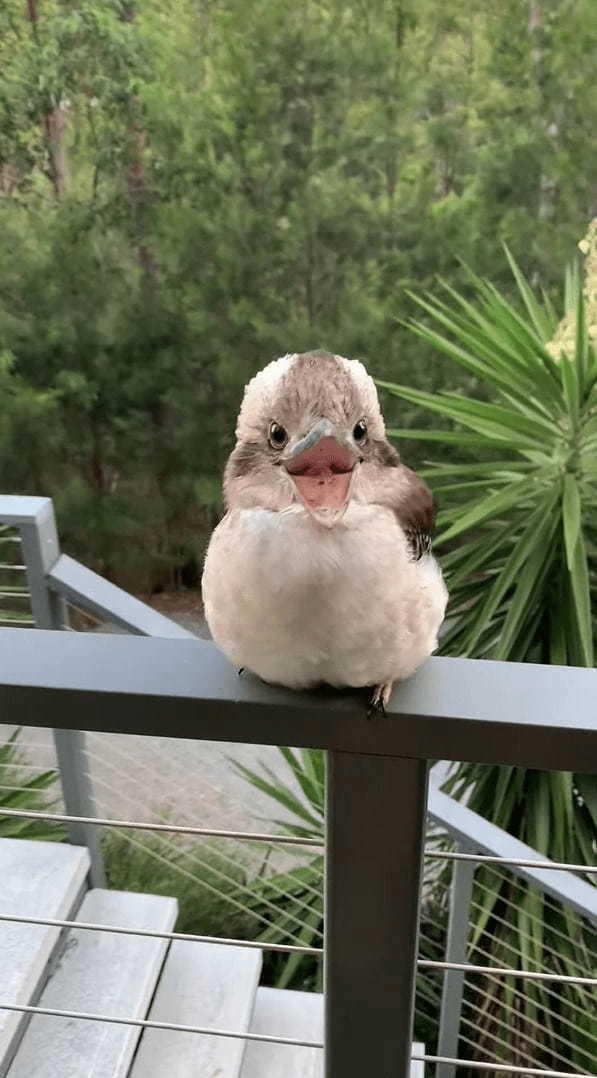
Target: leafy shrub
[146,863]
[518,544]
[298,891]
[18,791]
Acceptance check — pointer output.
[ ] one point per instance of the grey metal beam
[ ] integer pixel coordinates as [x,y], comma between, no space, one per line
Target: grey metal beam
[39,543]
[41,550]
[90,591]
[17,509]
[79,797]
[453,985]
[473,832]
[375,824]
[541,717]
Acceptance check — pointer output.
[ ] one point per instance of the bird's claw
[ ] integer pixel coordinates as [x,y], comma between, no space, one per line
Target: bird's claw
[376,709]
[379,700]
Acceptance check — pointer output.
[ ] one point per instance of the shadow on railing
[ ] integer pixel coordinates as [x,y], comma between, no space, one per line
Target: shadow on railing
[377,772]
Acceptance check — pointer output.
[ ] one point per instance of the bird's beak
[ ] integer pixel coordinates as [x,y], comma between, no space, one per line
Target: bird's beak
[321,465]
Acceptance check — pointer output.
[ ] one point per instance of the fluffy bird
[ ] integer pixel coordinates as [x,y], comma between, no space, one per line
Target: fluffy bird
[321,570]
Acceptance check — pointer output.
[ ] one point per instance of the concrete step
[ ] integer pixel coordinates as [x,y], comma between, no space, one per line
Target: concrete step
[283,1013]
[38,879]
[203,984]
[99,973]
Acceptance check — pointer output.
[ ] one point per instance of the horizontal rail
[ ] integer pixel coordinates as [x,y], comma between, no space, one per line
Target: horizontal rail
[79,585]
[179,829]
[501,1068]
[518,862]
[29,767]
[422,963]
[257,836]
[186,937]
[16,509]
[146,1023]
[478,835]
[526,715]
[530,975]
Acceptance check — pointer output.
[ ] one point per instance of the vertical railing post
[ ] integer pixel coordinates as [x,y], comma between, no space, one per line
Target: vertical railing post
[375,823]
[456,944]
[39,543]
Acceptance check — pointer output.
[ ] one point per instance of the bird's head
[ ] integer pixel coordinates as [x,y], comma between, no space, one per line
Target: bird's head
[307,424]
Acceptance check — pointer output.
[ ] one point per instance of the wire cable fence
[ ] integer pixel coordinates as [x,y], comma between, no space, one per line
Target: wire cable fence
[512,1014]
[527,974]
[265,1038]
[15,607]
[501,1014]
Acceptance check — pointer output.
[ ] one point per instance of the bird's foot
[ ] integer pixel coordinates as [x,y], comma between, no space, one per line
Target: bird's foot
[375,709]
[379,700]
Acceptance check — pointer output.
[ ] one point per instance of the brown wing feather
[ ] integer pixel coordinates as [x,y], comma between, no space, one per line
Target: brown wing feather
[391,483]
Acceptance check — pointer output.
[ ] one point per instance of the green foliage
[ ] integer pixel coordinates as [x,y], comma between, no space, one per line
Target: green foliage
[524,508]
[517,538]
[144,863]
[516,926]
[187,191]
[20,792]
[295,894]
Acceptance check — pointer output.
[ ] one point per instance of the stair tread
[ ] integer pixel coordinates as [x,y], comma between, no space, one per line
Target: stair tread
[99,973]
[39,879]
[203,984]
[281,1012]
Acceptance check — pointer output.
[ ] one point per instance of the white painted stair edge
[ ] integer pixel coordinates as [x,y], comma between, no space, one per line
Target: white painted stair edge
[98,973]
[208,985]
[281,1012]
[37,879]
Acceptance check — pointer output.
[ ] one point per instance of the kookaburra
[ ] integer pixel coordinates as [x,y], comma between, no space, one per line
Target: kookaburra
[321,570]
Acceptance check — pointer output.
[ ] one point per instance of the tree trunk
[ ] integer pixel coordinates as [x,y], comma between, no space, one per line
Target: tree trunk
[138,186]
[53,126]
[139,193]
[9,178]
[393,103]
[55,129]
[547,124]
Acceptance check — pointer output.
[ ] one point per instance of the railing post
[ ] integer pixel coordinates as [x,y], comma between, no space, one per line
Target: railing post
[375,822]
[39,543]
[456,943]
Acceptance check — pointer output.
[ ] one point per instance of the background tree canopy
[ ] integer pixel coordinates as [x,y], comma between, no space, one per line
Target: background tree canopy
[190,188]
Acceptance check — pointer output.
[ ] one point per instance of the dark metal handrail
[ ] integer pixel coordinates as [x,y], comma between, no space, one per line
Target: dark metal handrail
[540,717]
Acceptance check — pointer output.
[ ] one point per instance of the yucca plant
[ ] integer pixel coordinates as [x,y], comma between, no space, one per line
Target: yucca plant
[19,791]
[517,538]
[297,893]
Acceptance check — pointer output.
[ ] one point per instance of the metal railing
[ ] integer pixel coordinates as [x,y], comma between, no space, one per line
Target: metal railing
[540,717]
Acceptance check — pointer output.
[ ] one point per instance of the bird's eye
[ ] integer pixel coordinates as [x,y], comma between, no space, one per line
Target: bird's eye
[360,431]
[277,436]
